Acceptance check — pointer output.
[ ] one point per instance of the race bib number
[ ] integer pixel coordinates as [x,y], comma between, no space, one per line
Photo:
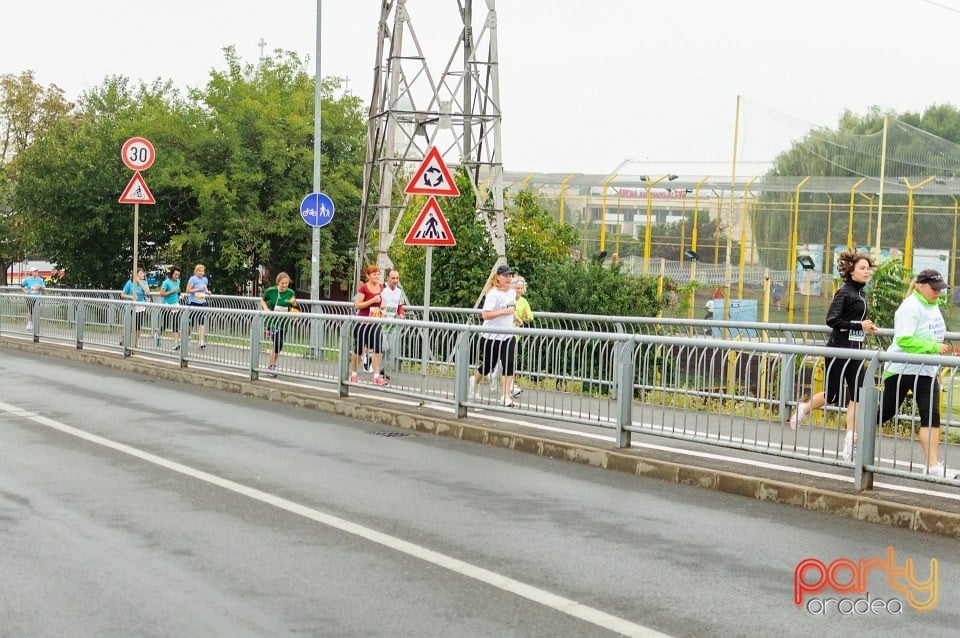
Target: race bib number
[281,308]
[857,336]
[390,311]
[199,295]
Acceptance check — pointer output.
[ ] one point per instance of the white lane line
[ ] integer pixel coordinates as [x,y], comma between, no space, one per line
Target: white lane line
[548,599]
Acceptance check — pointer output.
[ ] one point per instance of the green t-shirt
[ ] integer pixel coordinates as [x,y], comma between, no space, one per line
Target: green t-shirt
[280,302]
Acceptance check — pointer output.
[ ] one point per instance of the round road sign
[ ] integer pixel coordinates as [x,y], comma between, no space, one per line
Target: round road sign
[138,154]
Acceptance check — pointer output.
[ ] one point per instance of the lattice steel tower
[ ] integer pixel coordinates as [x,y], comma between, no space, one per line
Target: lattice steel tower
[413,108]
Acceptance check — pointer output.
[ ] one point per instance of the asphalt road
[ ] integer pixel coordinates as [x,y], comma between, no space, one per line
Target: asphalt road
[133,507]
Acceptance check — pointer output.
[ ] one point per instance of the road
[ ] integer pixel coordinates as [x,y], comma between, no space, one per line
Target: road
[130,506]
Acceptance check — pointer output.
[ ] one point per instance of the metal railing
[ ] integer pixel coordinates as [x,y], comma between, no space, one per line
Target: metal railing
[720,383]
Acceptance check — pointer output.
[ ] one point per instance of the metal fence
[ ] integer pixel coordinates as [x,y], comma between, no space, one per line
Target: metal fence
[720,383]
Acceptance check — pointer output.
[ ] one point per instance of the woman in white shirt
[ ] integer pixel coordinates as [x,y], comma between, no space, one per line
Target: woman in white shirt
[499,307]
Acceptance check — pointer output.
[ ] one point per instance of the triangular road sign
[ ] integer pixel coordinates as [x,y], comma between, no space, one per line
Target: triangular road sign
[432,178]
[430,228]
[137,192]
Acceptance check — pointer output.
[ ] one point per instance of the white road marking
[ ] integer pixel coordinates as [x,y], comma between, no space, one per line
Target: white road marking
[540,596]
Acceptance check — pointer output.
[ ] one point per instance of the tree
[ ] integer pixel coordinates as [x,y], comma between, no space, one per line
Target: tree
[27,110]
[234,160]
[259,166]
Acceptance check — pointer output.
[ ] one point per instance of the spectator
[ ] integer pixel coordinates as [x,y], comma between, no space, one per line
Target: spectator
[368,334]
[34,287]
[918,327]
[279,299]
[847,319]
[198,290]
[170,300]
[137,290]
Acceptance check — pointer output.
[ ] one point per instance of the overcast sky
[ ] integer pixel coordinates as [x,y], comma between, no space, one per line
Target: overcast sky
[584,85]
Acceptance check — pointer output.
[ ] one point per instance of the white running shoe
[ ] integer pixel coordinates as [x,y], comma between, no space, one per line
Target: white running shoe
[934,470]
[799,416]
[516,390]
[847,453]
[472,390]
[29,327]
[507,401]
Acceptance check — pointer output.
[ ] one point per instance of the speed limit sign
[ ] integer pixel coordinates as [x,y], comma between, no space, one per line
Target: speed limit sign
[138,154]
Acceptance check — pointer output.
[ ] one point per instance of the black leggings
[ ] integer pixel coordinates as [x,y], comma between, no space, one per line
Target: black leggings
[277,336]
[926,395]
[840,372]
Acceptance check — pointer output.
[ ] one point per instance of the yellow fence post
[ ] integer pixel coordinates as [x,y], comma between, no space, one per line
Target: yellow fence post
[792,261]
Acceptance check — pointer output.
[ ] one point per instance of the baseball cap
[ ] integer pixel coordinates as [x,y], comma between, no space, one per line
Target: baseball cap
[34,269]
[933,278]
[504,269]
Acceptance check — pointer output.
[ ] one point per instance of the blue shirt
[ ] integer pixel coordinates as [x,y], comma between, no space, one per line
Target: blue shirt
[199,294]
[168,286]
[128,290]
[33,285]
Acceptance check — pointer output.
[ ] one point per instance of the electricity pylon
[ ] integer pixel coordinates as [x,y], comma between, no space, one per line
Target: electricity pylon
[414,108]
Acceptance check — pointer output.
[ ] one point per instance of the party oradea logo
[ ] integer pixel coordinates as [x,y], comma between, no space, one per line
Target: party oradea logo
[814,580]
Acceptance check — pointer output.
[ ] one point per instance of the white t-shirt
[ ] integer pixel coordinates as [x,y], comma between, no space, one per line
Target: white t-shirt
[498,300]
[390,303]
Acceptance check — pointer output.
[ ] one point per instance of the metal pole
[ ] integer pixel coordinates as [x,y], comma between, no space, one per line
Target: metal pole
[883,170]
[315,240]
[136,242]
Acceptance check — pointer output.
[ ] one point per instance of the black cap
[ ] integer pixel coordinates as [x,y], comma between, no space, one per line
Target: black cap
[932,278]
[504,269]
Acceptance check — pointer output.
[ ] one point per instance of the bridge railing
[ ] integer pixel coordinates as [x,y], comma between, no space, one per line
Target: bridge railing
[734,385]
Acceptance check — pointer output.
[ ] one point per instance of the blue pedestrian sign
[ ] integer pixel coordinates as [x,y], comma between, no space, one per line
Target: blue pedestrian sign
[317,210]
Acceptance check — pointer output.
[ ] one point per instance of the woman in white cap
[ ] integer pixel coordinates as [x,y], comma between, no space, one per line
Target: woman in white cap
[499,307]
[919,328]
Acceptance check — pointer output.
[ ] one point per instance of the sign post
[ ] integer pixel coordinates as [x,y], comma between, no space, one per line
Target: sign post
[317,211]
[138,155]
[430,229]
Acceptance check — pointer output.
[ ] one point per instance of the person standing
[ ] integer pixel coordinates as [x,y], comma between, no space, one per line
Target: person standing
[919,328]
[279,299]
[170,300]
[368,334]
[499,308]
[198,289]
[137,290]
[34,287]
[391,305]
[849,325]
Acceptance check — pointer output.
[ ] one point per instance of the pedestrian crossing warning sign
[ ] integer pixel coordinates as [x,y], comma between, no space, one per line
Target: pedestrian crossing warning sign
[137,192]
[430,228]
[432,178]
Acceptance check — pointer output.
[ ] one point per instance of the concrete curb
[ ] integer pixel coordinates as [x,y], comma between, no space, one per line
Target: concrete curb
[857,506]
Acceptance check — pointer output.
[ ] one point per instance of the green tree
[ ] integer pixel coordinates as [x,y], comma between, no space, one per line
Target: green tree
[590,288]
[27,110]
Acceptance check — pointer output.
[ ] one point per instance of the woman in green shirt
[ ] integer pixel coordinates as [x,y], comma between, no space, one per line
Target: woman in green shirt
[279,298]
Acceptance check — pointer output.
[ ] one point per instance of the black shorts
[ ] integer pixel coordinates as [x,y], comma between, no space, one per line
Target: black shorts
[31,302]
[367,335]
[170,319]
[502,351]
[138,316]
[197,318]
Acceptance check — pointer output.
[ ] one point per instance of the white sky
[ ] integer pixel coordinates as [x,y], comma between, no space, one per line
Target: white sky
[584,85]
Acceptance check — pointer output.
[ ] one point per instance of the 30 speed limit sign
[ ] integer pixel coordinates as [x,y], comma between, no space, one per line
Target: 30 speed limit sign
[138,154]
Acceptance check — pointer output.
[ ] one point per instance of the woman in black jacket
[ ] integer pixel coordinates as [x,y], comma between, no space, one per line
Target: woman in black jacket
[847,318]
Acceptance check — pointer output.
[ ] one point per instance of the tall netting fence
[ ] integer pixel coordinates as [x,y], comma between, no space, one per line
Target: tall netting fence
[799,196]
